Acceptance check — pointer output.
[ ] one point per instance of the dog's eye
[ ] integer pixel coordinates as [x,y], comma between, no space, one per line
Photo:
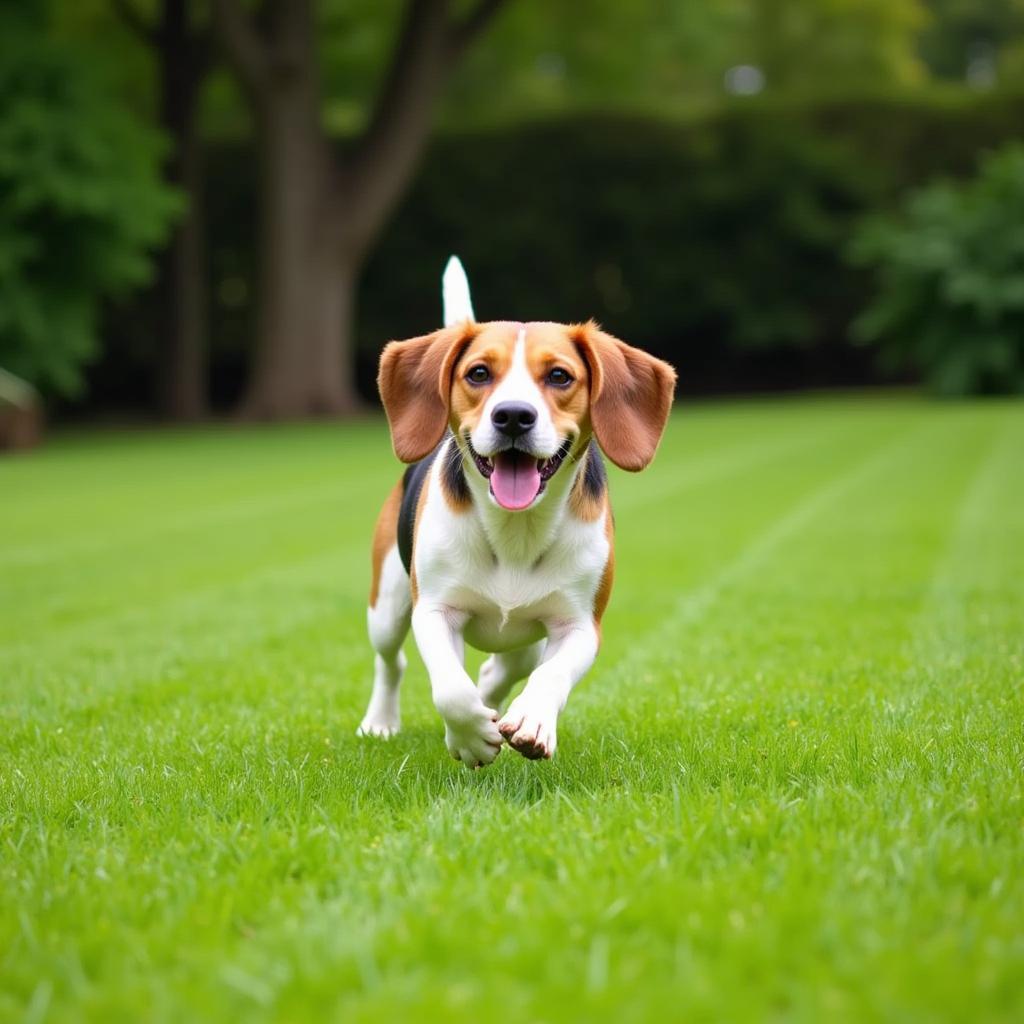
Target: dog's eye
[478,374]
[559,378]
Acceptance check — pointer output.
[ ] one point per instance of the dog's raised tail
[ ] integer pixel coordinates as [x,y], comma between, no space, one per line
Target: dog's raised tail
[455,293]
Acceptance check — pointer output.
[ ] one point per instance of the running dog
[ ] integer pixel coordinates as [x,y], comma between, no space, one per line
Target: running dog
[500,532]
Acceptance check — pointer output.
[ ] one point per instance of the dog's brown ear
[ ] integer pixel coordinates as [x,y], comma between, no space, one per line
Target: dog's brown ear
[630,397]
[415,385]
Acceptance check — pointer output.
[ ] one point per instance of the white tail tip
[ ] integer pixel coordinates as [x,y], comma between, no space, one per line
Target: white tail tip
[455,293]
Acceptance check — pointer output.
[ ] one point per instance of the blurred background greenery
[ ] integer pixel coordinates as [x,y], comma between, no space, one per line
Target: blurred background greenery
[210,206]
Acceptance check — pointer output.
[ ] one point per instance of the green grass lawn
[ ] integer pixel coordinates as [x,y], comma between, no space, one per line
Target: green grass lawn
[791,787]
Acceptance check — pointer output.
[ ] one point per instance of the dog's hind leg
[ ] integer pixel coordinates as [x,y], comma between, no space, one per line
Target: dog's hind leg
[388,623]
[387,620]
[500,672]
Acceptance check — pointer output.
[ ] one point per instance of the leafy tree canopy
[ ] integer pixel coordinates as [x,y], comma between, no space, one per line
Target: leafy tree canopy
[81,204]
[979,40]
[950,281]
[608,54]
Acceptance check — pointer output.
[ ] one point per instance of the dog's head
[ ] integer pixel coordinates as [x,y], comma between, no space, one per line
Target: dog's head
[520,398]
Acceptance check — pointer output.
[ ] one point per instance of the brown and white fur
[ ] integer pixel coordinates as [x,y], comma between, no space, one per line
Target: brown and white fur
[526,577]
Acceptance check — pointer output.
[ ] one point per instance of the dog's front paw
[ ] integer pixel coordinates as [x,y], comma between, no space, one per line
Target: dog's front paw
[379,724]
[472,736]
[530,729]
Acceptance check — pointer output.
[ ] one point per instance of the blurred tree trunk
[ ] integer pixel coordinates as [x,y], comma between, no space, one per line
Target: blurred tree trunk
[320,212]
[298,366]
[183,60]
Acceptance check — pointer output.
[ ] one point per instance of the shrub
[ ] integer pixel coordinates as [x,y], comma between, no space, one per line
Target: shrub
[949,303]
[81,202]
[717,242]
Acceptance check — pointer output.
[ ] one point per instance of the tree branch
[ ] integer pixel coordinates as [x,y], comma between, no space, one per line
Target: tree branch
[242,44]
[132,19]
[464,32]
[429,44]
[420,38]
[385,154]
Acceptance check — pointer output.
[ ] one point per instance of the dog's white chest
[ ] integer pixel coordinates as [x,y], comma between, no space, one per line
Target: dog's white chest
[511,578]
[509,606]
[512,605]
[487,631]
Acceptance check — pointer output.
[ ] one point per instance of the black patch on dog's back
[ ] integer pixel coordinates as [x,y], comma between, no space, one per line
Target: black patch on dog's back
[412,484]
[454,475]
[595,478]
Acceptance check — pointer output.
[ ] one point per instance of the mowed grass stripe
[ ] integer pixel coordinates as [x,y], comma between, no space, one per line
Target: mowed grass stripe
[196,513]
[149,582]
[871,455]
[887,523]
[142,650]
[135,576]
[975,560]
[179,481]
[66,563]
[101,484]
[103,671]
[764,827]
[669,482]
[691,606]
[265,476]
[781,636]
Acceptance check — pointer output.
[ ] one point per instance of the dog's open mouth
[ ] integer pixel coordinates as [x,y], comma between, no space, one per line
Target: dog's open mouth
[517,477]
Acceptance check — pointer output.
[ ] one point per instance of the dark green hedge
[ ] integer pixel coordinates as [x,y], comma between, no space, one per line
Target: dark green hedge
[718,243]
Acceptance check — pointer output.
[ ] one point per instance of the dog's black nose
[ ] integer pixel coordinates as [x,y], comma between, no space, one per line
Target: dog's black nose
[513,418]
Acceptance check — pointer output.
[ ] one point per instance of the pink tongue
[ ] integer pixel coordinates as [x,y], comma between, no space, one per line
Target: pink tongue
[515,481]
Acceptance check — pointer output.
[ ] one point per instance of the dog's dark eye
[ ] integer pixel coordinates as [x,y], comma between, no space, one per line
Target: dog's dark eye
[478,374]
[559,378]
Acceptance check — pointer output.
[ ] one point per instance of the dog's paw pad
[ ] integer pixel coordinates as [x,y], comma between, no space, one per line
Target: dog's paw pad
[533,748]
[533,735]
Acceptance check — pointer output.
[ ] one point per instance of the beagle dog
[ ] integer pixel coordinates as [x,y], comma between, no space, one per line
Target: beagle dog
[499,533]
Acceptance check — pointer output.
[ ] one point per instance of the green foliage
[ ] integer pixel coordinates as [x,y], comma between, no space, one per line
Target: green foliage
[836,46]
[704,239]
[717,242]
[789,790]
[958,31]
[950,273]
[552,58]
[654,56]
[81,203]
[718,229]
[643,55]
